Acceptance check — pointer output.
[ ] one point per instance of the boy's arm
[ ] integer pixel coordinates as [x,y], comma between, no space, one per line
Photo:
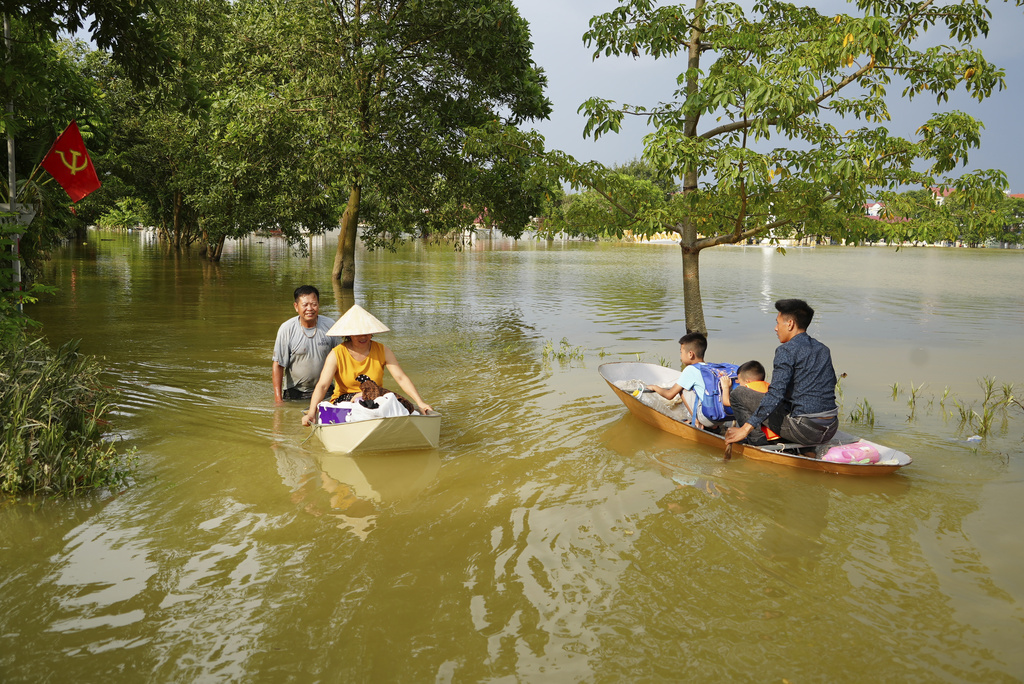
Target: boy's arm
[726,383]
[668,393]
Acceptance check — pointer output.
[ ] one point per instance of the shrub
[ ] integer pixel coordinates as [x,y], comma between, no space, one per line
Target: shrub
[52,408]
[127,213]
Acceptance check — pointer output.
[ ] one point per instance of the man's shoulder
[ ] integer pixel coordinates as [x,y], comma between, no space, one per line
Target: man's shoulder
[810,342]
[288,325]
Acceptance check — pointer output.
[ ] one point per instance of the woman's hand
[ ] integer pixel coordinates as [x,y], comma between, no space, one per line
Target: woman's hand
[307,420]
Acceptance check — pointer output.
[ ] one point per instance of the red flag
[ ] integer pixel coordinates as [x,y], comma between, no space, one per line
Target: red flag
[69,163]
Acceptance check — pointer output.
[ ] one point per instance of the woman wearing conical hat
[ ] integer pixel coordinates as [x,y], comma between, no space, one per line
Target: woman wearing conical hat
[358,355]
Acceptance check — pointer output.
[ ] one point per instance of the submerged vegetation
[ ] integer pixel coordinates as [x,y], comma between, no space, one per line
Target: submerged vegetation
[52,412]
[52,420]
[564,352]
[978,419]
[992,415]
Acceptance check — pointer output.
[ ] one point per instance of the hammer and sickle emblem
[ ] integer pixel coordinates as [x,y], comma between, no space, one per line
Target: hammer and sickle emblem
[73,166]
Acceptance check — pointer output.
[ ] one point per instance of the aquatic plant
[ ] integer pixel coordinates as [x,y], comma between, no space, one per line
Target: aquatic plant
[988,386]
[564,352]
[52,420]
[914,391]
[912,401]
[839,387]
[1008,398]
[863,413]
[985,420]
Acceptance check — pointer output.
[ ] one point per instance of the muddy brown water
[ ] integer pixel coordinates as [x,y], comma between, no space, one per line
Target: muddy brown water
[550,537]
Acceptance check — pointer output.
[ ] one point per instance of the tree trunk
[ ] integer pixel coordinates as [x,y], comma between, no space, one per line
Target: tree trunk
[176,230]
[693,305]
[218,250]
[345,259]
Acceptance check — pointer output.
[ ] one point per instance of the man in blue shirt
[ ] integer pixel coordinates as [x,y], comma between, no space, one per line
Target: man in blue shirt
[800,404]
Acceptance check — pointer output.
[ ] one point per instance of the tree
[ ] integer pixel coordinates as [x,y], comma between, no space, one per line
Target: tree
[392,86]
[121,27]
[44,90]
[206,149]
[46,82]
[928,216]
[159,132]
[780,120]
[643,170]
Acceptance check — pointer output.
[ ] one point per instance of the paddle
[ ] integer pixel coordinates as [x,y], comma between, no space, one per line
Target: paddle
[728,451]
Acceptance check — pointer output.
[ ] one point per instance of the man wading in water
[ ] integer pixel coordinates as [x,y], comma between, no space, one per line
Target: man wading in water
[301,348]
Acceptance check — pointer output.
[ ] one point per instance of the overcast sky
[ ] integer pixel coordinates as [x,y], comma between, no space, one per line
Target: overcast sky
[557,28]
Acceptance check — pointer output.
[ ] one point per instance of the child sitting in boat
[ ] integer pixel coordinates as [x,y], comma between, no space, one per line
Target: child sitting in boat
[751,375]
[690,384]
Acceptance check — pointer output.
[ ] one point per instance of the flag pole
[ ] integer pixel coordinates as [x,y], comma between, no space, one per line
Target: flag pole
[12,179]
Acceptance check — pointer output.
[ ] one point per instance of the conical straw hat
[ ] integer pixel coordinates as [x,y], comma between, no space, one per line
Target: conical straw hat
[357,321]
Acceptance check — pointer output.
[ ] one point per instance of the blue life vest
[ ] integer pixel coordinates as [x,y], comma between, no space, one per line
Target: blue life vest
[711,403]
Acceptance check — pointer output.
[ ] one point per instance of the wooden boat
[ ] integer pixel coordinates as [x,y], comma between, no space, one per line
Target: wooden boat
[382,434]
[620,377]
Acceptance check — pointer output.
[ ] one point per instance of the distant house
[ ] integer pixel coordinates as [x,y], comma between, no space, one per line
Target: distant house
[874,209]
[941,195]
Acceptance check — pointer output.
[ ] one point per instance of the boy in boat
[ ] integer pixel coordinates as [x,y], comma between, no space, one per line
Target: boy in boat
[800,404]
[690,384]
[750,375]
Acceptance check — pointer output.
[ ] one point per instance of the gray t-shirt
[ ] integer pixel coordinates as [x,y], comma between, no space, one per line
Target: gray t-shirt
[302,355]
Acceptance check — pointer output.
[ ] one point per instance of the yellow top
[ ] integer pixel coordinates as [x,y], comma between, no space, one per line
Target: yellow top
[345,377]
[762,387]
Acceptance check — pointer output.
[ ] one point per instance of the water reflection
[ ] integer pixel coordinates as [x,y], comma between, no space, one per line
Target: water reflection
[351,488]
[551,536]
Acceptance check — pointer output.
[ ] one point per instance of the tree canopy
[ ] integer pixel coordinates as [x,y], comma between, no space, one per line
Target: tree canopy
[123,28]
[392,86]
[288,116]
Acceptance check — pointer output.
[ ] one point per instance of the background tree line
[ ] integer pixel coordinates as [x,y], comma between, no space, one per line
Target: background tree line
[915,217]
[213,119]
[224,118]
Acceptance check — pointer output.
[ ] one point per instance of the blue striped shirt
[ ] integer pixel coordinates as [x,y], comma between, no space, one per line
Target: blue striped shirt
[803,380]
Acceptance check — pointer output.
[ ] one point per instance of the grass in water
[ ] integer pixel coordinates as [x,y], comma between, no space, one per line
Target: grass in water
[564,352]
[863,413]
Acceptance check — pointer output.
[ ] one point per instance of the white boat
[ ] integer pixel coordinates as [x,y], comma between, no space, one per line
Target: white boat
[382,434]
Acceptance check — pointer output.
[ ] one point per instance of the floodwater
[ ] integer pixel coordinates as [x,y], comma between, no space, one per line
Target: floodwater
[551,537]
